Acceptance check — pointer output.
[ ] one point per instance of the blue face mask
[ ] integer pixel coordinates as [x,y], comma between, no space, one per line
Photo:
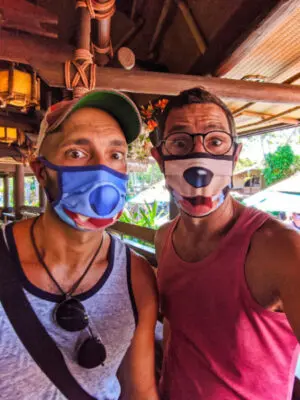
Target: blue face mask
[90,197]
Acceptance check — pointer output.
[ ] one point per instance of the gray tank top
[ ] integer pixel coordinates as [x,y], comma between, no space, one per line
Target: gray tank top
[112,312]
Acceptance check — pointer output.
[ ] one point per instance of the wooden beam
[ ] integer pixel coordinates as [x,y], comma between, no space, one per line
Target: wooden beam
[245,20]
[9,151]
[19,121]
[139,232]
[10,169]
[26,17]
[23,48]
[171,84]
[276,17]
[284,120]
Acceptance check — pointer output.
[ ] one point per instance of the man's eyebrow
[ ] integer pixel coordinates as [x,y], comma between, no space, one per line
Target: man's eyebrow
[79,141]
[179,127]
[216,125]
[117,142]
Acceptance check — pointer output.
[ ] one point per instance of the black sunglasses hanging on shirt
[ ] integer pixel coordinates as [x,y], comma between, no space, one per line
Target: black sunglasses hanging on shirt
[71,315]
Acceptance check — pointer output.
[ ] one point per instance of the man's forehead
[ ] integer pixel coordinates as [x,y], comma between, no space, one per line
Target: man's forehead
[90,117]
[197,111]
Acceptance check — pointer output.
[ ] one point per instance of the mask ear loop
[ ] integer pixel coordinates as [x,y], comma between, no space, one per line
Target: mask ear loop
[49,197]
[235,147]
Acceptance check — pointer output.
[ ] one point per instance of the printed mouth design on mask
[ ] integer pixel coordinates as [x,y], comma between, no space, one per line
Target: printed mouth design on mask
[199,200]
[90,223]
[197,204]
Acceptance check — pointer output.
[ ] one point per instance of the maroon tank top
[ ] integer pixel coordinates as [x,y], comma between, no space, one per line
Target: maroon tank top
[223,345]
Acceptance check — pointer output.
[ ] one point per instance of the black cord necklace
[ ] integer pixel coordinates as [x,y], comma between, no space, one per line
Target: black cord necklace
[71,315]
[42,262]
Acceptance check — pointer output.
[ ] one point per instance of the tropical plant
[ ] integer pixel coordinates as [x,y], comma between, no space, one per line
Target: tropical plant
[146,216]
[279,165]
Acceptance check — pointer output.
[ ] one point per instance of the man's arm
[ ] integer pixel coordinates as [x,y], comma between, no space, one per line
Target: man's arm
[136,373]
[288,276]
[159,241]
[273,270]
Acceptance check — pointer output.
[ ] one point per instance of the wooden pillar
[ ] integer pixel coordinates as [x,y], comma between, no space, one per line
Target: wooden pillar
[19,190]
[42,198]
[173,210]
[6,191]
[84,32]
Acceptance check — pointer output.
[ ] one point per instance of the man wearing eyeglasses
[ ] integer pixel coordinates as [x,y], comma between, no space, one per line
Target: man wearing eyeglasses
[94,298]
[228,276]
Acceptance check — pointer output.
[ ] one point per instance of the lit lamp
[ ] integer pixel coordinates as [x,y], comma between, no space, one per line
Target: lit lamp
[8,135]
[18,88]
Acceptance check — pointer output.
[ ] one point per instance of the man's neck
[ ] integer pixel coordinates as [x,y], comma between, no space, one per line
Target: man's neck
[63,243]
[213,226]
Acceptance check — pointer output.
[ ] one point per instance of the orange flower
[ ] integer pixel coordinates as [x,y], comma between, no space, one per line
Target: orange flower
[162,104]
[147,112]
[151,125]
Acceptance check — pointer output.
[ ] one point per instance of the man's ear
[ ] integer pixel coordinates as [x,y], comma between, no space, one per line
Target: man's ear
[39,170]
[156,155]
[237,153]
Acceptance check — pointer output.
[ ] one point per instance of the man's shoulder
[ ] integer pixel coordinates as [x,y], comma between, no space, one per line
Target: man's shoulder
[162,231]
[275,238]
[143,283]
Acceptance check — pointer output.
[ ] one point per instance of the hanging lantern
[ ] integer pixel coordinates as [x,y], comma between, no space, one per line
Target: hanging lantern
[19,89]
[8,135]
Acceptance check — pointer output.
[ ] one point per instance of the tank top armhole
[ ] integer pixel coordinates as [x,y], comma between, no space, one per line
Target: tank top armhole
[129,284]
[246,291]
[168,239]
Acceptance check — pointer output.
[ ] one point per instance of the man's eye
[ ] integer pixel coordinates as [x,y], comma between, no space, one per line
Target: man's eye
[118,156]
[179,143]
[216,142]
[75,154]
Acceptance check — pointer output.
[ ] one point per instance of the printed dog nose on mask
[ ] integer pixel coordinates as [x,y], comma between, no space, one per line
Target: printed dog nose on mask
[198,177]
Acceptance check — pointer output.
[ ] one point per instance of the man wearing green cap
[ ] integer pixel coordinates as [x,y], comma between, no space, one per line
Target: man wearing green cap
[94,299]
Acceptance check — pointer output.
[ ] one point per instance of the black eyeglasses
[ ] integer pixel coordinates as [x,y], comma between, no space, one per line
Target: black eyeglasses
[71,316]
[215,142]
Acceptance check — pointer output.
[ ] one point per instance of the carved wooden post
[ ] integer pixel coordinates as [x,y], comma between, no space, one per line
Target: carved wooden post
[6,191]
[104,10]
[19,190]
[84,78]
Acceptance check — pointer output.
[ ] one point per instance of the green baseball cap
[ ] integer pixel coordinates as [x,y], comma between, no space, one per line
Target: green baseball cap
[117,104]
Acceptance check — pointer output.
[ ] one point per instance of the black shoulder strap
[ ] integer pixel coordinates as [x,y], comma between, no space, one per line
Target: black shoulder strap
[31,332]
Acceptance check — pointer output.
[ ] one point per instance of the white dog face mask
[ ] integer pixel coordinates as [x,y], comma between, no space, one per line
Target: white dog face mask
[199,182]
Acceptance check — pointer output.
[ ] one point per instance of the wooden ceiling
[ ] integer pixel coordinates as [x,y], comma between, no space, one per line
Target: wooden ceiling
[212,38]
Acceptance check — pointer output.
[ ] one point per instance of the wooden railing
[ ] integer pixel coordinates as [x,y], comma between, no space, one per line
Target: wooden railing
[129,232]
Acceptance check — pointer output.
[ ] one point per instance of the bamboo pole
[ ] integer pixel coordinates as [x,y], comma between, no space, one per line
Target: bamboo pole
[130,34]
[263,116]
[163,15]
[191,23]
[133,9]
[271,118]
